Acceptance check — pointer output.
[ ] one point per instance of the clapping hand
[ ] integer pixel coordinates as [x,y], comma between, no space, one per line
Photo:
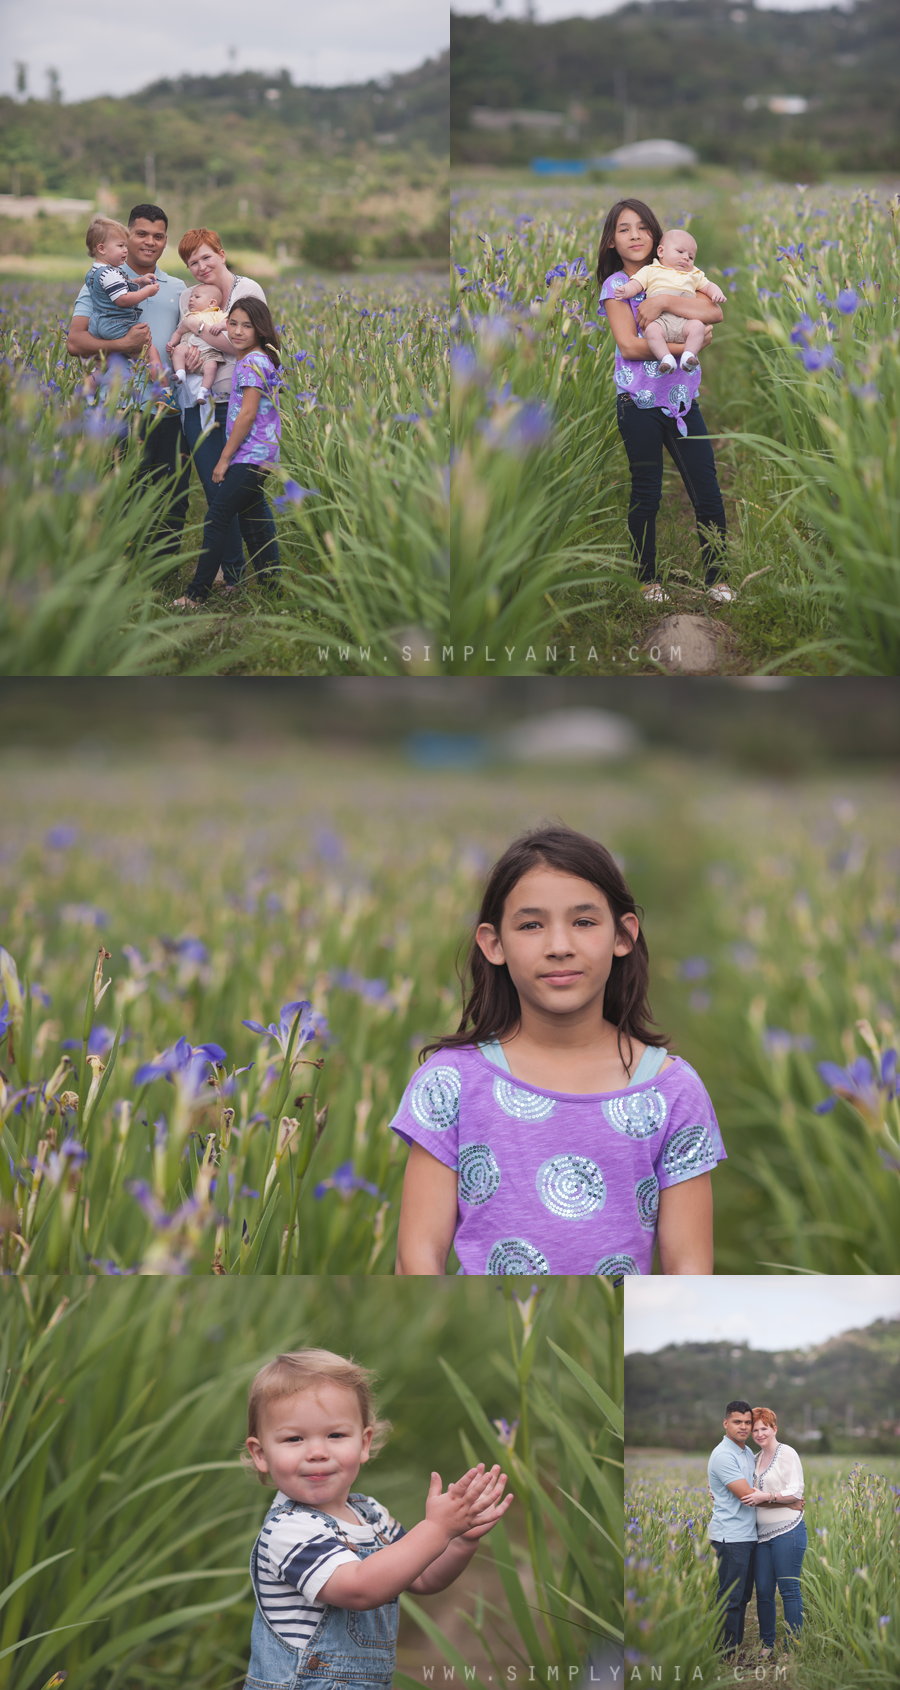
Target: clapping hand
[471,1505]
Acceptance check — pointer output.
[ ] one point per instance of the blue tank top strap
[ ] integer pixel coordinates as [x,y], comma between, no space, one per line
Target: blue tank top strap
[649,1065]
[494,1053]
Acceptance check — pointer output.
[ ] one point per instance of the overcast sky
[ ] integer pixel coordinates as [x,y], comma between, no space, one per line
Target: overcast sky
[98,49]
[547,10]
[785,1313]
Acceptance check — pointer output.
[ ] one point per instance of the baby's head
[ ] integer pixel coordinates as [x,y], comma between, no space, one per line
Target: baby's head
[107,240]
[678,249]
[204,297]
[312,1421]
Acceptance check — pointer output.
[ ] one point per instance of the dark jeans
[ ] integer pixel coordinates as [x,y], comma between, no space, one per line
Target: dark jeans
[239,496]
[779,1562]
[165,462]
[736,1577]
[206,454]
[645,433]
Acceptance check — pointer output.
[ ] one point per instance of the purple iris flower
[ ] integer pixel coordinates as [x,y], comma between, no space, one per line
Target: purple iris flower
[60,838]
[372,990]
[329,845]
[190,949]
[847,301]
[777,1041]
[859,1084]
[294,494]
[694,968]
[100,1042]
[282,1031]
[345,1181]
[801,331]
[74,1149]
[816,358]
[731,270]
[185,1065]
[5,1018]
[463,364]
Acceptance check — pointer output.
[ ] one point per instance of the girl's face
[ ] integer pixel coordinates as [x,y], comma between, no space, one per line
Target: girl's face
[633,239]
[313,1444]
[558,939]
[241,332]
[764,1434]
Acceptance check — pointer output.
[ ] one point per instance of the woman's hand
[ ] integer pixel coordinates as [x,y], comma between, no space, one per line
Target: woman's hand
[755,1498]
[218,473]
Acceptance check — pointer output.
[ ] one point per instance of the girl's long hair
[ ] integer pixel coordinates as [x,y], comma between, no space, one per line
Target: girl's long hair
[608,260]
[491,1006]
[263,326]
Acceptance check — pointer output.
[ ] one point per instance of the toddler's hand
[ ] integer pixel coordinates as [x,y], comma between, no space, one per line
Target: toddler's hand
[468,1503]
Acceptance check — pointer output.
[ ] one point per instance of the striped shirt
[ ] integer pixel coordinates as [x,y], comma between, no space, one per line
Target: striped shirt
[297,1555]
[114,281]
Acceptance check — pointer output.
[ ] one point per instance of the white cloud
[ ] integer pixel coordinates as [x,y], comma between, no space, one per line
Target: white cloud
[99,50]
[767,1312]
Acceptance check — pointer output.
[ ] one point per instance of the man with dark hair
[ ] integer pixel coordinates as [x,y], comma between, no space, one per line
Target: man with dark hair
[166,459]
[732,1529]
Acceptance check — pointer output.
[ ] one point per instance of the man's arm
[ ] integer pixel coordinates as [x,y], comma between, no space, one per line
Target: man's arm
[739,1487]
[686,1226]
[82,344]
[632,345]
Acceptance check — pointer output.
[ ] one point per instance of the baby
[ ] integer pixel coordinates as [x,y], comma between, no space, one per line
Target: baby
[204,312]
[673,273]
[115,298]
[329,1563]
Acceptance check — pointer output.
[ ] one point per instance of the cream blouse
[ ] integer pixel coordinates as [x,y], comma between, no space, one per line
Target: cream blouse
[784,1476]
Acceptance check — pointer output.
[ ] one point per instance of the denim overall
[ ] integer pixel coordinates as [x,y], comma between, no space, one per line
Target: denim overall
[108,321]
[350,1646]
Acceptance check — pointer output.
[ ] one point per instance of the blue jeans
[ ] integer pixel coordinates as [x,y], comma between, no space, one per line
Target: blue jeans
[736,1577]
[350,1649]
[206,454]
[239,496]
[644,434]
[779,1562]
[165,463]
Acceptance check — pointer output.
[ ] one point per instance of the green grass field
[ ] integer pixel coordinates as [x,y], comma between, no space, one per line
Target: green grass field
[227,882]
[848,1584]
[800,387]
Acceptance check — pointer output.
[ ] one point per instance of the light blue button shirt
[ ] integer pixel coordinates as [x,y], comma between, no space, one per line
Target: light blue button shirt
[731,1521]
[160,310]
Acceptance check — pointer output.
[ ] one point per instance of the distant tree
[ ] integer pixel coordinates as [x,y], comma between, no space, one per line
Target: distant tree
[21,78]
[54,88]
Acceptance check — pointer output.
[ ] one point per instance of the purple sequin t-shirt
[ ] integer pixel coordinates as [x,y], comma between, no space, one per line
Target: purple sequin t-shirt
[264,440]
[640,378]
[557,1182]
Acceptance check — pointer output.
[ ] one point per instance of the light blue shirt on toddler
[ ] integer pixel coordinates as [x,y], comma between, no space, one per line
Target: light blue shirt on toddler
[731,1522]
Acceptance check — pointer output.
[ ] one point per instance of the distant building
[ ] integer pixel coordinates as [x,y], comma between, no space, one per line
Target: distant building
[786,105]
[28,206]
[486,117]
[647,155]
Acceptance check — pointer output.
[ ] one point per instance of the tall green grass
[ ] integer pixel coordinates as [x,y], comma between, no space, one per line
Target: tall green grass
[127,1518]
[851,1613]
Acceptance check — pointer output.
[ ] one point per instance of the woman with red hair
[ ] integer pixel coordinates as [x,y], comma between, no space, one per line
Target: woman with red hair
[781,1533]
[202,251]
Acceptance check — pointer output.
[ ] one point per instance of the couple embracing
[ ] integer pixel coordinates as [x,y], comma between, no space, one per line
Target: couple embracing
[757,1528]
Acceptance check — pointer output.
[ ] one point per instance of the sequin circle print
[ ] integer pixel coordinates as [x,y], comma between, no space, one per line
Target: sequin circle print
[516,1255]
[435,1099]
[616,1267]
[679,397]
[522,1105]
[479,1173]
[624,377]
[644,399]
[638,1114]
[646,1194]
[689,1151]
[651,368]
[571,1186]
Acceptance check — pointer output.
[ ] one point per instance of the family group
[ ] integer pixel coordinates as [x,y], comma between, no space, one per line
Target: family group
[212,353]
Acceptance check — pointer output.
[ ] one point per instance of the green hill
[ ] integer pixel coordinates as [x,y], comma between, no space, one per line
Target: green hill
[847,1390]
[689,70]
[265,162]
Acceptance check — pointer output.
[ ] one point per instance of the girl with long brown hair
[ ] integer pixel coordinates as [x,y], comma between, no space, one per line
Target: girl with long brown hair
[656,410]
[553,1132]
